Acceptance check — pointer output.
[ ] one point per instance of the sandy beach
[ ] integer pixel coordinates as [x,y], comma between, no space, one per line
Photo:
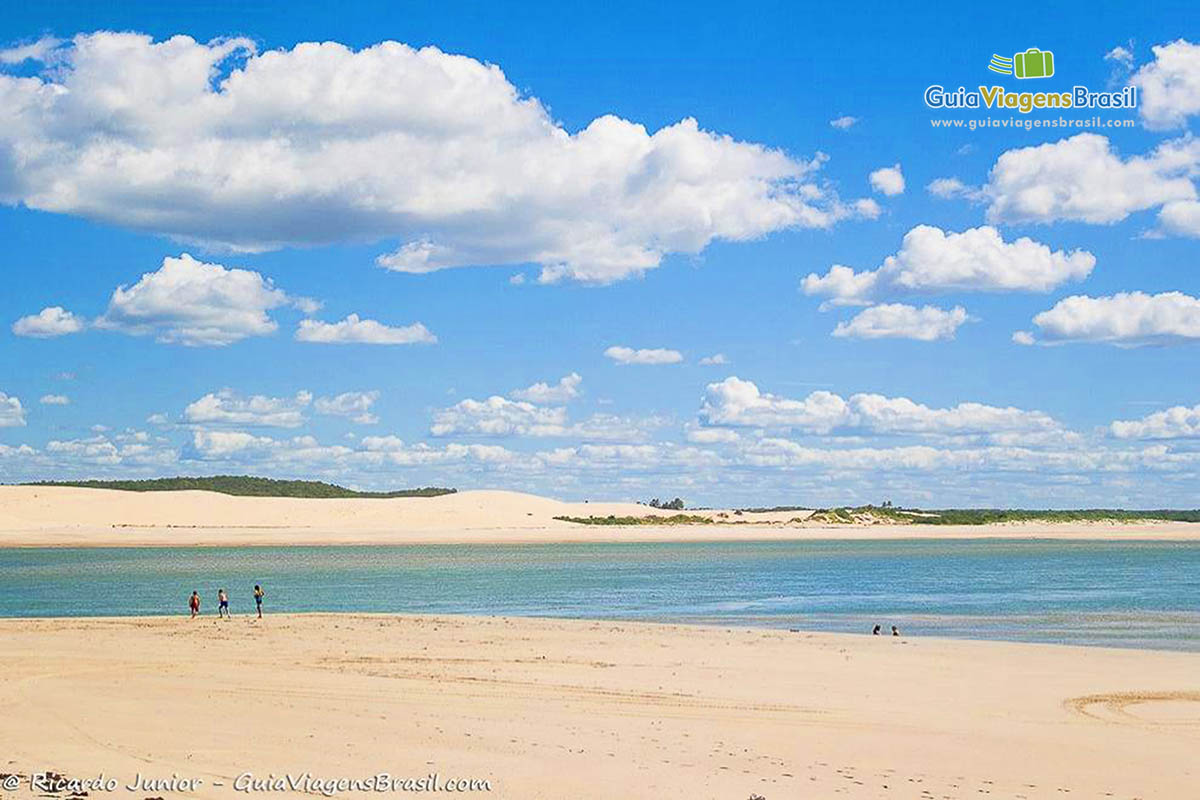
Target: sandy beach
[35,516]
[578,709]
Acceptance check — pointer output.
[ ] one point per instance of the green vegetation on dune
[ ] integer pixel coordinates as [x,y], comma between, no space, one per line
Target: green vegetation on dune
[771,509]
[988,516]
[835,516]
[675,519]
[246,486]
[889,515]
[984,516]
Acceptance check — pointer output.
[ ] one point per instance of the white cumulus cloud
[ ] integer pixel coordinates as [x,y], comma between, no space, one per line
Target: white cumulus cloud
[197,304]
[354,330]
[698,434]
[356,406]
[93,450]
[1178,422]
[20,451]
[1082,179]
[844,122]
[37,50]
[931,260]
[55,400]
[499,416]
[226,407]
[1169,86]
[888,181]
[949,188]
[1126,319]
[47,323]
[739,403]
[1181,218]
[657,355]
[222,444]
[565,390]
[12,414]
[899,321]
[439,153]
[867,208]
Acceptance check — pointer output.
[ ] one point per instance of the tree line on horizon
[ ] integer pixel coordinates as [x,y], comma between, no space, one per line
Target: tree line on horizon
[246,486]
[667,505]
[985,516]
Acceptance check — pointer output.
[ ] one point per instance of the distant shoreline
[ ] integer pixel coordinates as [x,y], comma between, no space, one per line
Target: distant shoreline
[269,536]
[42,516]
[209,615]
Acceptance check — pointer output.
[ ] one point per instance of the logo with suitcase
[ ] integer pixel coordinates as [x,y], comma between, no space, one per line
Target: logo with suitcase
[1033,63]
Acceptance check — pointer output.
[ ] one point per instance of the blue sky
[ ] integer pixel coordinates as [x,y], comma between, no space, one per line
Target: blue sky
[527,223]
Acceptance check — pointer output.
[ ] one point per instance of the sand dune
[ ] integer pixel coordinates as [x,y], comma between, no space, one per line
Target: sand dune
[35,516]
[577,709]
[63,515]
[29,507]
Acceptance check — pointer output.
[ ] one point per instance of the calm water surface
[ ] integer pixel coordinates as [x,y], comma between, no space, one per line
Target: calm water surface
[1128,594]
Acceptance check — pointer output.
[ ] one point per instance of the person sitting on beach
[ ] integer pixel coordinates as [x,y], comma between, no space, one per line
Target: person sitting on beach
[194,603]
[222,604]
[875,631]
[258,596]
[895,631]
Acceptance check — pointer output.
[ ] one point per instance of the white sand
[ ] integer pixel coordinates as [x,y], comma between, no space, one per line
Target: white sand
[583,710]
[48,516]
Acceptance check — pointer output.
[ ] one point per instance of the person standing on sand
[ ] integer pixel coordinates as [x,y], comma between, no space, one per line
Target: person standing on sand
[895,631]
[875,631]
[258,596]
[222,604]
[194,603]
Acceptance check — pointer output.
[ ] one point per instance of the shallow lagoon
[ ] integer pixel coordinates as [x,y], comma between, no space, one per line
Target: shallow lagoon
[1127,594]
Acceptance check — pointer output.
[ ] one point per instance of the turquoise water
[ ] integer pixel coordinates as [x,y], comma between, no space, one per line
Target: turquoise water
[1128,594]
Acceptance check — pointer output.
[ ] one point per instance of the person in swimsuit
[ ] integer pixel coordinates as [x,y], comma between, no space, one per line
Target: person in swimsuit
[875,632]
[258,596]
[895,631]
[222,604]
[194,603]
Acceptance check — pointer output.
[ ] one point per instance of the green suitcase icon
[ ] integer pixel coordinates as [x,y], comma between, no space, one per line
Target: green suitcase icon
[1033,63]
